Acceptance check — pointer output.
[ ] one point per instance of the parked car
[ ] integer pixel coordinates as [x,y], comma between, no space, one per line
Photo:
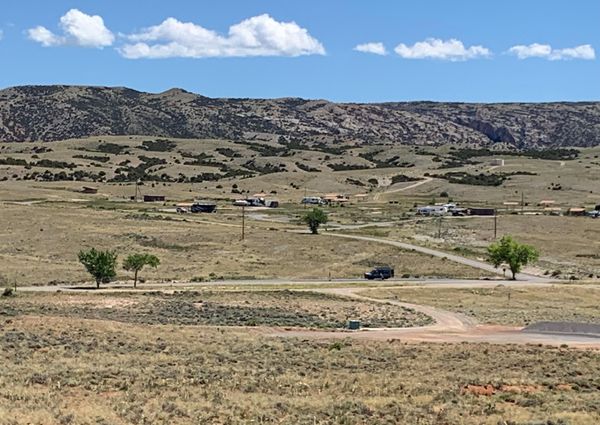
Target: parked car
[435,210]
[241,203]
[203,207]
[593,213]
[312,200]
[181,210]
[381,272]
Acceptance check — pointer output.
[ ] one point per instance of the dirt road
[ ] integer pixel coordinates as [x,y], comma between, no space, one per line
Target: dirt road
[449,327]
[402,189]
[441,254]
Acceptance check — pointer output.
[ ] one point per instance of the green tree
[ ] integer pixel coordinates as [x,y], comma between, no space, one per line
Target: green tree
[136,262]
[510,252]
[100,264]
[314,218]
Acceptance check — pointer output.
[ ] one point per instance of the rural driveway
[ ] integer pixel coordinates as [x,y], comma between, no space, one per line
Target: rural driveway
[441,254]
[448,327]
[402,189]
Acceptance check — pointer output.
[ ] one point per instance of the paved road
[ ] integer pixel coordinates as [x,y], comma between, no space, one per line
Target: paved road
[161,286]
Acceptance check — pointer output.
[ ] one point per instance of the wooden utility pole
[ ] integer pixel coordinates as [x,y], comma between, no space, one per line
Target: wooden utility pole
[138,191]
[522,202]
[440,227]
[304,197]
[243,221]
[495,223]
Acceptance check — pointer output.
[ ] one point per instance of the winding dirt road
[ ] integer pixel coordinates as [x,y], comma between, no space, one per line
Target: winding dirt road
[448,327]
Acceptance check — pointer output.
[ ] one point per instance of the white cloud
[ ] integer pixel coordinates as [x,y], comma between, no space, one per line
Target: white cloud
[375,48]
[45,37]
[79,29]
[257,36]
[536,50]
[434,48]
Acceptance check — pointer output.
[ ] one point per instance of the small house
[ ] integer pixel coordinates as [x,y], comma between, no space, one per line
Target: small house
[498,162]
[576,211]
[335,198]
[154,198]
[482,211]
[553,210]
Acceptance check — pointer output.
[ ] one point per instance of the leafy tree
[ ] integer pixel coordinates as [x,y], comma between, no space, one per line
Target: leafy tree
[314,218]
[136,262]
[100,264]
[510,252]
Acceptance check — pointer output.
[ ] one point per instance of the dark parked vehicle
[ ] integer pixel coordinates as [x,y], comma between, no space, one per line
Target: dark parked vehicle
[203,207]
[382,272]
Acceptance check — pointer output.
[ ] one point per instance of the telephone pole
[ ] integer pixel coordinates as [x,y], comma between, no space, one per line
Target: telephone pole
[440,227]
[243,221]
[305,196]
[138,191]
[522,202]
[495,223]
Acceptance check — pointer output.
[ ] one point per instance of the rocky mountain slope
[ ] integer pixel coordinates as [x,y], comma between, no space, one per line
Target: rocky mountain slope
[51,113]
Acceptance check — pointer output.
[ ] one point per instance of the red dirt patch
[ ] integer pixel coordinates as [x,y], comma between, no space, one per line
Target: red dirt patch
[564,387]
[486,390]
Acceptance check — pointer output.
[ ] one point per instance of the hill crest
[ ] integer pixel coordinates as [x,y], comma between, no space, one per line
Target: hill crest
[50,113]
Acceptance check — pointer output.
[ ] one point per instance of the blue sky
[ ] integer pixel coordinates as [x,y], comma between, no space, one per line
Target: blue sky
[483,51]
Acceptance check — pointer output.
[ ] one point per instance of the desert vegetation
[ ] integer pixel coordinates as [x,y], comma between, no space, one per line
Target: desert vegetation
[68,370]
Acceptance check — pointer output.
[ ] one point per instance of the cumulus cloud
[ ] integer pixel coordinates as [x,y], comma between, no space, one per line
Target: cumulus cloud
[257,36]
[545,51]
[434,48]
[45,37]
[78,29]
[375,48]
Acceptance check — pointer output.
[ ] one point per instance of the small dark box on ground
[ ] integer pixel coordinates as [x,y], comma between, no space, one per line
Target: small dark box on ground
[353,324]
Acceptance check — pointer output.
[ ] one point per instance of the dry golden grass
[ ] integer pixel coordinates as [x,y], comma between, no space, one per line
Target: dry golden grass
[39,244]
[504,305]
[569,245]
[73,371]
